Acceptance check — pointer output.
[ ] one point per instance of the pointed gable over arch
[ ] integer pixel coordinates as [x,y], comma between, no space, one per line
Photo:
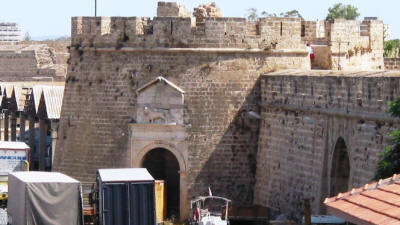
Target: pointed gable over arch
[160,101]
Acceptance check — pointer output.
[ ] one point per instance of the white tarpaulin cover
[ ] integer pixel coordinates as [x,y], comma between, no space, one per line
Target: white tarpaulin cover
[44,198]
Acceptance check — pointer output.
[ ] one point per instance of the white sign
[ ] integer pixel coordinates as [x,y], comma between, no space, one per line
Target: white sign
[12,161]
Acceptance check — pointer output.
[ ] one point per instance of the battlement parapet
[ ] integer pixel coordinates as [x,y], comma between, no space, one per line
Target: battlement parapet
[183,32]
[347,33]
[338,44]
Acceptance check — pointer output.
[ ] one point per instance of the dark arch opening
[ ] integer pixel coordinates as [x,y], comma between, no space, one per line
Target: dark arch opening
[340,171]
[163,165]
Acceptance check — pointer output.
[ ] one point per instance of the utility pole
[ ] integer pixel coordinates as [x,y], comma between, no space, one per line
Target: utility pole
[95,8]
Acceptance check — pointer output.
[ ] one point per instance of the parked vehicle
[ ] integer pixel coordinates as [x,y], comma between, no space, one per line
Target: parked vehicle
[209,210]
[14,157]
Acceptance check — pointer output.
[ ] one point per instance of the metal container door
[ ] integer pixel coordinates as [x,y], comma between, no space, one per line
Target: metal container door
[142,208]
[115,204]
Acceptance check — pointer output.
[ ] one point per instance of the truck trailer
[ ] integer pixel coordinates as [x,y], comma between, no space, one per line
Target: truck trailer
[14,157]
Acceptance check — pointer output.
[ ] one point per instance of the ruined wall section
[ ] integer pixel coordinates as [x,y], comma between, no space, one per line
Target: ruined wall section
[270,34]
[22,62]
[303,116]
[172,9]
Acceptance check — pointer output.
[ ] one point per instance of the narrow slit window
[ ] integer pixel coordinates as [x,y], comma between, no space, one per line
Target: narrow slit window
[303,30]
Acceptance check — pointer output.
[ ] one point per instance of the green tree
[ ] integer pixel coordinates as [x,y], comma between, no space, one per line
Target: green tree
[27,37]
[391,48]
[292,14]
[342,11]
[389,162]
[266,14]
[252,14]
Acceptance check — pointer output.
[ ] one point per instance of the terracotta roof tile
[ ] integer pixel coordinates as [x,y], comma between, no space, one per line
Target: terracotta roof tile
[375,203]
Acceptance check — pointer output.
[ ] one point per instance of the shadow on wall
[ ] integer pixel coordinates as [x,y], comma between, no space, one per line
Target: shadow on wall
[230,169]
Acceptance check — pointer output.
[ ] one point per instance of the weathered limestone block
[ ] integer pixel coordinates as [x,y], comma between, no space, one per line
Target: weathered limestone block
[206,10]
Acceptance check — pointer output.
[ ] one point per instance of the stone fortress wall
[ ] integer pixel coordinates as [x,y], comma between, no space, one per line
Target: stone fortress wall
[112,58]
[345,44]
[23,61]
[340,44]
[183,32]
[392,63]
[218,64]
[303,116]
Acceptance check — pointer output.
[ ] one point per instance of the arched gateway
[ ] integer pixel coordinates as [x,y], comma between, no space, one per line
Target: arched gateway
[163,165]
[340,170]
[164,162]
[158,140]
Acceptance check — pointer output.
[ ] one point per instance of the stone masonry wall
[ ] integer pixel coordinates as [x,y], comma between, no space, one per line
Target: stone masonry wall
[172,9]
[392,63]
[303,116]
[357,46]
[178,32]
[23,61]
[353,45]
[217,63]
[18,65]
[220,87]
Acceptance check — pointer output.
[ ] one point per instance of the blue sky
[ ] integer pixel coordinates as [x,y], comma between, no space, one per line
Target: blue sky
[42,18]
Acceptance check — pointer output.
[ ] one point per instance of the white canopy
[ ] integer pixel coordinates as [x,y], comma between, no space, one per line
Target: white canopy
[125,174]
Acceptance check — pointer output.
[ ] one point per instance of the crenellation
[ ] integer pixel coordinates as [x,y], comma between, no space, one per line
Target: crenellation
[182,32]
[337,44]
[344,43]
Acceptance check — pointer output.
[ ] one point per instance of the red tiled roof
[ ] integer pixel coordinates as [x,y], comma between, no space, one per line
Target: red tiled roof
[375,203]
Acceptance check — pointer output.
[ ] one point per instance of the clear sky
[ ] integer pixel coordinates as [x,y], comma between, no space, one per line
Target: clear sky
[43,18]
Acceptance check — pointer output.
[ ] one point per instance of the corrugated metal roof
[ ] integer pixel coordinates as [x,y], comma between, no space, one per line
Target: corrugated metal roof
[13,145]
[37,93]
[125,174]
[20,97]
[8,88]
[6,91]
[53,97]
[375,203]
